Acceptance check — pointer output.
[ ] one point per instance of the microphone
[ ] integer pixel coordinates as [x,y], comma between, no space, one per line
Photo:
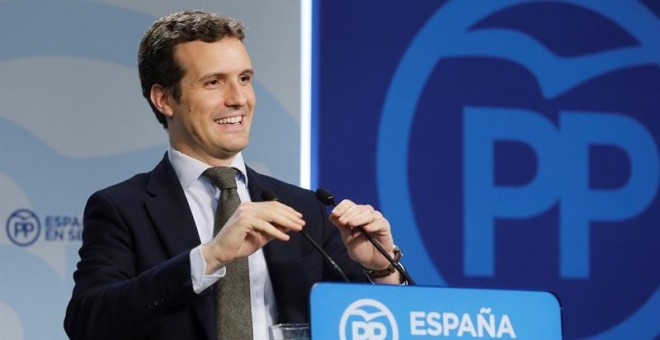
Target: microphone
[270,195]
[328,199]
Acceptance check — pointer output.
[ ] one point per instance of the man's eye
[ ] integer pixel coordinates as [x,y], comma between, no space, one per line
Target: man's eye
[245,79]
[213,82]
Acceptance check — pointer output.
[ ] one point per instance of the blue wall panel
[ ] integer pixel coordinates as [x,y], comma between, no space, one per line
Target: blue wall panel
[512,144]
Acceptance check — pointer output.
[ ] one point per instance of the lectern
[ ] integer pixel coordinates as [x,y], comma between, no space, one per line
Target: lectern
[385,312]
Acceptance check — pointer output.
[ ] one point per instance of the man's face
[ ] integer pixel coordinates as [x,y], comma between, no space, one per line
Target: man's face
[211,121]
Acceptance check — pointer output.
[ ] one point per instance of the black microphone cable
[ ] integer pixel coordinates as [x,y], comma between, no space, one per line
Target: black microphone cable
[328,199]
[270,195]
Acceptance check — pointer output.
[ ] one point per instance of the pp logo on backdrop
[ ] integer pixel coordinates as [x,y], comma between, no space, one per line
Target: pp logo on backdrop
[559,151]
[23,227]
[520,153]
[368,319]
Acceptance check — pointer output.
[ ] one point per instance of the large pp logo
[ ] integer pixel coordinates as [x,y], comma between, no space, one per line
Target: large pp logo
[23,227]
[562,175]
[542,170]
[368,319]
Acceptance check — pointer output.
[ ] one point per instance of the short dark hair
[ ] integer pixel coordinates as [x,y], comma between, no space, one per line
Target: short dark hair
[156,62]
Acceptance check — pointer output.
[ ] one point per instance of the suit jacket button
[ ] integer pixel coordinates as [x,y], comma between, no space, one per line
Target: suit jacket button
[156,304]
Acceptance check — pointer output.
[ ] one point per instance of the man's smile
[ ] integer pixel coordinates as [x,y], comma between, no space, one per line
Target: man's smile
[229,120]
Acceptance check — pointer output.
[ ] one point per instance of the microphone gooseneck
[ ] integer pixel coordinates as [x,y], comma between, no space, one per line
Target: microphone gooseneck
[270,195]
[328,199]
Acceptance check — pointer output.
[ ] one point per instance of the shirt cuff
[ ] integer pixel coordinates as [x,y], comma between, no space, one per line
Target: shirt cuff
[200,280]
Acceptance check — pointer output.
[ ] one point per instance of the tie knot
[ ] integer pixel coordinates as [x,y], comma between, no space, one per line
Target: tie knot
[223,177]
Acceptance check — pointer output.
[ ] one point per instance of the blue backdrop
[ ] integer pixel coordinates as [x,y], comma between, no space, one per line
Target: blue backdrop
[512,144]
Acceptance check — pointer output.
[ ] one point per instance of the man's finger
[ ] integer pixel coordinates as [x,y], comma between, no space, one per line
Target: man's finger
[269,230]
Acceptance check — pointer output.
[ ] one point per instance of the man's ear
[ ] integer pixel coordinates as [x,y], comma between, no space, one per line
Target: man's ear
[161,98]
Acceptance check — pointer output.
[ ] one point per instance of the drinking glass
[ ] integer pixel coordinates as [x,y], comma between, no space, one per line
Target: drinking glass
[290,331]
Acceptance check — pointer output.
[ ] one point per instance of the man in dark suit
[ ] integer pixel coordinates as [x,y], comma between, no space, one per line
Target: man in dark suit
[149,259]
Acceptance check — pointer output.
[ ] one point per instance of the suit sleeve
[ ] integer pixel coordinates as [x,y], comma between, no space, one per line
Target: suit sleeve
[112,297]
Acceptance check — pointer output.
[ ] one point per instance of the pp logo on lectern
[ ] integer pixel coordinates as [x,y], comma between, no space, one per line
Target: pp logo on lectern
[368,319]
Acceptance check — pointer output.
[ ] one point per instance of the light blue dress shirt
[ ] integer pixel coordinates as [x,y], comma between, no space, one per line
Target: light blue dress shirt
[202,197]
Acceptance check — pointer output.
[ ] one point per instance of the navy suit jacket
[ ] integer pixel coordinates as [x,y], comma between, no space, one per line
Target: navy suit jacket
[133,279]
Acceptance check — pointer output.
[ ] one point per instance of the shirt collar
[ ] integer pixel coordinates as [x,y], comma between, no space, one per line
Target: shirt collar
[189,169]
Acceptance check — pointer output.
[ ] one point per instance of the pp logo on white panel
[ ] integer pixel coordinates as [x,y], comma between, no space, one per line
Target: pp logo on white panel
[23,227]
[368,319]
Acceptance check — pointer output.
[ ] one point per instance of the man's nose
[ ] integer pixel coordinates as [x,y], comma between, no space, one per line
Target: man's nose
[234,95]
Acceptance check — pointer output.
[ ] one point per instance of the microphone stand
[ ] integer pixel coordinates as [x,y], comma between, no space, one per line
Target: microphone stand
[270,195]
[328,199]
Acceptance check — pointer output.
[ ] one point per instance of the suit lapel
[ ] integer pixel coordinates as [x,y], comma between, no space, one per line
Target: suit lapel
[256,185]
[169,210]
[175,225]
[284,262]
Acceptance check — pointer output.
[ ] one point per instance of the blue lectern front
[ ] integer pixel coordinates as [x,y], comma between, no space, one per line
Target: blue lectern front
[384,312]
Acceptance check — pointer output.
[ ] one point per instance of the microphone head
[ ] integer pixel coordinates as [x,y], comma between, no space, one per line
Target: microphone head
[325,196]
[269,195]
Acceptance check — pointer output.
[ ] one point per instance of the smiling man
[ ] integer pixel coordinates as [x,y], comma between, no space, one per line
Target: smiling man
[210,120]
[179,253]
